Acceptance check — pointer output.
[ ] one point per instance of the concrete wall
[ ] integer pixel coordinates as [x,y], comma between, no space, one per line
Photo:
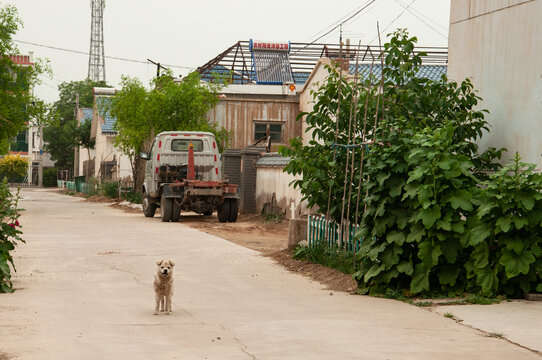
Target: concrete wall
[271,180]
[498,44]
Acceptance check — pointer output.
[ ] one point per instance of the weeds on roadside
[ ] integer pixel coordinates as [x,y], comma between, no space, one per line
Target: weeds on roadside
[449,315]
[332,257]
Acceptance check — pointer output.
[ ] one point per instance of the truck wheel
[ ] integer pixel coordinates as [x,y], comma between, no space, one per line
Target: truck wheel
[149,207]
[234,210]
[166,208]
[224,211]
[176,211]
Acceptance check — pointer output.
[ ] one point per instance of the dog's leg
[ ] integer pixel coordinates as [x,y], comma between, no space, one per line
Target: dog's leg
[163,302]
[168,304]
[157,305]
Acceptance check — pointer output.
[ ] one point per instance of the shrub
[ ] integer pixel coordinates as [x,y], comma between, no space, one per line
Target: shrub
[333,257]
[49,177]
[131,196]
[13,167]
[10,234]
[109,189]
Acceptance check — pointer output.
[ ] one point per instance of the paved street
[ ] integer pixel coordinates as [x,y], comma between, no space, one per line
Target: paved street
[85,292]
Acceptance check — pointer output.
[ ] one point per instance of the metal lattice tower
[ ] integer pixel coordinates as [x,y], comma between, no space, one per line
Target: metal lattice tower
[96,60]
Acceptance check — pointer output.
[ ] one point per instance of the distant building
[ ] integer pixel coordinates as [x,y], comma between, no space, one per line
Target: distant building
[498,45]
[29,143]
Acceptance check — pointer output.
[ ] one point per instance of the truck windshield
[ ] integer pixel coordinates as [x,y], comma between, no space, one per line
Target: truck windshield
[183,144]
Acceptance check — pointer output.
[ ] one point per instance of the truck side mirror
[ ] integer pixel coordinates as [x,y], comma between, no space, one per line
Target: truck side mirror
[144,155]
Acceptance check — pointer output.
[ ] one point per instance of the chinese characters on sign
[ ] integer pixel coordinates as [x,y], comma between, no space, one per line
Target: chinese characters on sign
[260,45]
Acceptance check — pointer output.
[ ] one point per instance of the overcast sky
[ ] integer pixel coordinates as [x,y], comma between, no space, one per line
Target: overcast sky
[190,33]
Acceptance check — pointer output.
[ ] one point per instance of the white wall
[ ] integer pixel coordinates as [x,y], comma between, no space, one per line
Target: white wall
[271,180]
[498,44]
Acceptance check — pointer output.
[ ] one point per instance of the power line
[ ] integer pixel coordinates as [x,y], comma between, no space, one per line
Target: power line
[338,25]
[424,16]
[397,17]
[419,18]
[109,57]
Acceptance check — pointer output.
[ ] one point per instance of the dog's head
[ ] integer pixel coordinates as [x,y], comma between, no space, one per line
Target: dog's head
[165,267]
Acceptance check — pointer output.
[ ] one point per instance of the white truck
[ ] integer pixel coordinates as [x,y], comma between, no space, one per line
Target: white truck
[183,173]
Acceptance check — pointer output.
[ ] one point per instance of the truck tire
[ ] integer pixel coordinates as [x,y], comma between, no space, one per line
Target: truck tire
[149,206]
[175,211]
[234,210]
[166,208]
[224,211]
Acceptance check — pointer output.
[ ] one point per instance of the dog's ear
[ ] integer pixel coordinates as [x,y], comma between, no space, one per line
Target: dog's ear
[159,262]
[171,263]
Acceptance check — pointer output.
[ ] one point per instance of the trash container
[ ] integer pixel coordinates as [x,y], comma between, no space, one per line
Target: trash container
[79,181]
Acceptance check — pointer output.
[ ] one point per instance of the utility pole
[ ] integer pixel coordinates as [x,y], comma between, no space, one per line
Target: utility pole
[158,66]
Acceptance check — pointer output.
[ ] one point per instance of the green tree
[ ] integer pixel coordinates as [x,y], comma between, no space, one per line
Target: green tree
[17,104]
[62,134]
[169,106]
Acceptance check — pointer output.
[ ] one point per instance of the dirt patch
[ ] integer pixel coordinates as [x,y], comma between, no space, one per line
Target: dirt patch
[4,356]
[333,279]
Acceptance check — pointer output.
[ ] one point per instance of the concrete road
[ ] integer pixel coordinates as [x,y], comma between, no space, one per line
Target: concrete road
[85,292]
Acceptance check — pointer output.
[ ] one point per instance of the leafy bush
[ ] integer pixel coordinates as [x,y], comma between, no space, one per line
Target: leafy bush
[13,167]
[109,189]
[49,177]
[504,236]
[10,234]
[434,221]
[131,196]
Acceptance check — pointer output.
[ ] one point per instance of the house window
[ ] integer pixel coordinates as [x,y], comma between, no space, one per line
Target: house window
[262,130]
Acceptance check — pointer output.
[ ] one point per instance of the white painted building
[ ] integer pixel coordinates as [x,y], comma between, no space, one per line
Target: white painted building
[498,44]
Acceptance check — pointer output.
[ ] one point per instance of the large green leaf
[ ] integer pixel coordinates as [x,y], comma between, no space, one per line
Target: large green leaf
[516,264]
[450,248]
[516,244]
[486,279]
[372,272]
[396,237]
[479,234]
[480,255]
[430,215]
[416,233]
[405,267]
[420,280]
[461,199]
[503,223]
[429,253]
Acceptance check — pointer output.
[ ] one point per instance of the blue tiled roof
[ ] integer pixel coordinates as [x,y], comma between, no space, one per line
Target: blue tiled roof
[87,115]
[431,72]
[109,122]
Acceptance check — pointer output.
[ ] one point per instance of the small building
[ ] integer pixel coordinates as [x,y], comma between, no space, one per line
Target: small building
[84,158]
[109,162]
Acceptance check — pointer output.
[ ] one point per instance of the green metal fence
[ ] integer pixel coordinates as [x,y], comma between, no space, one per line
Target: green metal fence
[320,230]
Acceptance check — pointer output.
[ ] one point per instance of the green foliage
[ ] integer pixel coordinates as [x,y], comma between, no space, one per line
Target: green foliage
[13,166]
[333,257]
[109,189]
[170,106]
[433,220]
[49,177]
[62,133]
[10,233]
[17,104]
[132,196]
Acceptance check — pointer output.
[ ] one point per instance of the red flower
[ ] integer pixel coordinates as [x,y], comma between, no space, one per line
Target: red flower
[12,225]
[17,223]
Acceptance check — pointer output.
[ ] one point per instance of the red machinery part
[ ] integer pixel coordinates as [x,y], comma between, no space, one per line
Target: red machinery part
[191,173]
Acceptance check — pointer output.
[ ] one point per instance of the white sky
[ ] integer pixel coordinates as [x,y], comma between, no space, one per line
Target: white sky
[183,33]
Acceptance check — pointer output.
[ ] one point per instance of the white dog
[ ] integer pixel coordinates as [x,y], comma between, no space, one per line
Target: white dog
[163,286]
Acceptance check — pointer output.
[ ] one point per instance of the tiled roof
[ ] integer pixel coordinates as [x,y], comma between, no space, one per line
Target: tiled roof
[431,72]
[272,160]
[87,115]
[109,122]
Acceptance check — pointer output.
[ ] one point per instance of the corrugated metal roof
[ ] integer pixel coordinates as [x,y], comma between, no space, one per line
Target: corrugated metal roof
[87,115]
[431,72]
[108,126]
[272,160]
